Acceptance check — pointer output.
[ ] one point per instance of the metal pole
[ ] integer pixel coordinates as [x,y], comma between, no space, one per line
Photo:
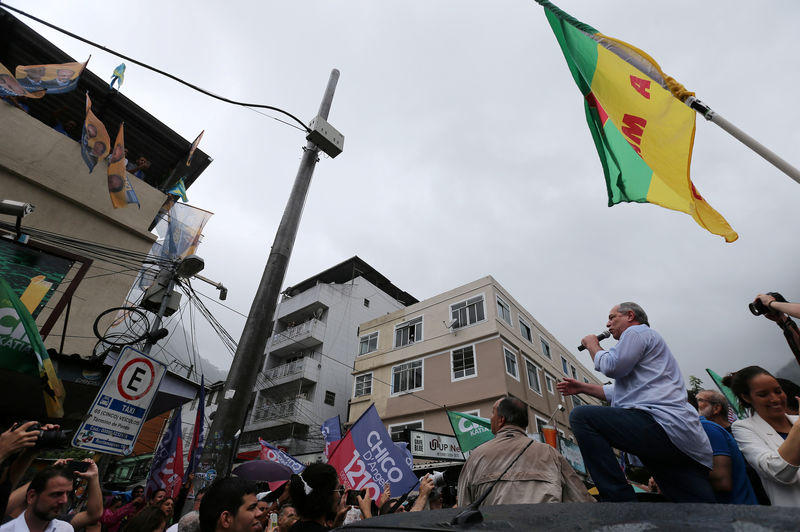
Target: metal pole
[773,158]
[160,316]
[230,415]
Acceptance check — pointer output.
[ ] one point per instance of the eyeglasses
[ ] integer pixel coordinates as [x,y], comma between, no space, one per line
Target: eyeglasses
[340,490]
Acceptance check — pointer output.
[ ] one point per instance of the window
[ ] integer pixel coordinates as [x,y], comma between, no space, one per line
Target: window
[511,363]
[564,366]
[368,344]
[577,401]
[363,385]
[545,348]
[407,377]
[463,362]
[408,332]
[330,398]
[574,372]
[533,376]
[539,424]
[503,311]
[550,382]
[366,302]
[396,431]
[467,312]
[525,330]
[586,380]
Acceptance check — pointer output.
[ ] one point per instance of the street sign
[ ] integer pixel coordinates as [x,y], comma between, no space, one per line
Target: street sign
[121,406]
[434,446]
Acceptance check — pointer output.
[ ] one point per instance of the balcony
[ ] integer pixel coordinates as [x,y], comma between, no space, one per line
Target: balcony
[306,335]
[306,368]
[297,410]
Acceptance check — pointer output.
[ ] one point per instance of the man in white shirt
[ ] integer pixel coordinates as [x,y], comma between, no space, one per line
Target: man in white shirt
[648,417]
[46,498]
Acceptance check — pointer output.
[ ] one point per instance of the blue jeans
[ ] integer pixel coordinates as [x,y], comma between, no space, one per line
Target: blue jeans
[599,429]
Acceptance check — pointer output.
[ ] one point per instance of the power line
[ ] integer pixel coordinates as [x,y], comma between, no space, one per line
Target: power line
[157,71]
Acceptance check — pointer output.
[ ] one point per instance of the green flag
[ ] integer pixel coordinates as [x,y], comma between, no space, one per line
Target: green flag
[470,430]
[22,349]
[729,395]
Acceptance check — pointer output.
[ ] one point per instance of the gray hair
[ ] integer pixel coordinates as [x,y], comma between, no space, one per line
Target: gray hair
[638,312]
[190,522]
[717,398]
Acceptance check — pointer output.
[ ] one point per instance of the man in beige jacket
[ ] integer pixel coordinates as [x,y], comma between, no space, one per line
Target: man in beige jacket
[539,474]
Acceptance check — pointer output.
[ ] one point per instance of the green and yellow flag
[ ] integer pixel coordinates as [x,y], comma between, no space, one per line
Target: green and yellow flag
[642,130]
[22,349]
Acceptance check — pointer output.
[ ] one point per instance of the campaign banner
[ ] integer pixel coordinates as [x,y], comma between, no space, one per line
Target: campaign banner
[9,86]
[34,275]
[53,79]
[272,453]
[367,458]
[119,186]
[166,470]
[471,431]
[94,138]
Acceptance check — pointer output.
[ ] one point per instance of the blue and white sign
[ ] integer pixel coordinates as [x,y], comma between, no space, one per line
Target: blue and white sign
[120,408]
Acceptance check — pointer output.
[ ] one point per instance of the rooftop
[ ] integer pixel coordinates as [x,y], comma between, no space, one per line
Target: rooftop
[347,271]
[144,134]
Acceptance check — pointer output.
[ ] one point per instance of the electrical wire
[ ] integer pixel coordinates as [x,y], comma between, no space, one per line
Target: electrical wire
[157,71]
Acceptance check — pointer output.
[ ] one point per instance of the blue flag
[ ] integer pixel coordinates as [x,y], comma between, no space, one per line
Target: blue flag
[270,452]
[367,458]
[166,471]
[331,431]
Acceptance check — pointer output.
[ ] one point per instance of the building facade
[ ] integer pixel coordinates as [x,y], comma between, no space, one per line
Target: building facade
[307,376]
[462,350]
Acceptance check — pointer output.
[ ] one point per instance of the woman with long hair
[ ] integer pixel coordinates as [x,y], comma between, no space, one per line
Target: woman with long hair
[770,438]
[318,498]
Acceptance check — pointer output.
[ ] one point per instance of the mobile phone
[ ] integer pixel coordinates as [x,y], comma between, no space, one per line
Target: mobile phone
[273,519]
[352,495]
[78,467]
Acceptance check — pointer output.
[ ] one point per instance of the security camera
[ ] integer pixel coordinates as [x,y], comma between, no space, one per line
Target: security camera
[15,208]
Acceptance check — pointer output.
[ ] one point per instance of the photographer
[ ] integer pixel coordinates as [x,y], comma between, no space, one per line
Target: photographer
[17,451]
[774,306]
[777,306]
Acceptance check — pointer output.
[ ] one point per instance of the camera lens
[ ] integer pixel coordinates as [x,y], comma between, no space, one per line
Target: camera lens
[757,307]
[53,439]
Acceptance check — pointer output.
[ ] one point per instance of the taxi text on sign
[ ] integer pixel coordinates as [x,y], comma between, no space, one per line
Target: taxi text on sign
[120,409]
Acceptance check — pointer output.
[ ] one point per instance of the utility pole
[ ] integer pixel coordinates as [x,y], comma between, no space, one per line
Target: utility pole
[230,415]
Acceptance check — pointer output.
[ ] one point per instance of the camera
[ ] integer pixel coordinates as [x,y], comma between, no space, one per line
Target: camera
[758,308]
[49,439]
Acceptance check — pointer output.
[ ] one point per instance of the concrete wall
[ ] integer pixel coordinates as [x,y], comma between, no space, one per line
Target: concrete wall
[38,165]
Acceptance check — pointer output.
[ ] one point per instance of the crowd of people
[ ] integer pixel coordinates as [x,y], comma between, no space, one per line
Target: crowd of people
[688,444]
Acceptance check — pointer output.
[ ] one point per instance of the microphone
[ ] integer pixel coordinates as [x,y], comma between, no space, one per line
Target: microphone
[602,336]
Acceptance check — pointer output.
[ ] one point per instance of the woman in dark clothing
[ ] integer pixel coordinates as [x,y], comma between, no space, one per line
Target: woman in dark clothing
[318,498]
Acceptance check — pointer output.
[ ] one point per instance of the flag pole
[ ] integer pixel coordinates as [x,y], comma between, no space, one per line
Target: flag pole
[744,138]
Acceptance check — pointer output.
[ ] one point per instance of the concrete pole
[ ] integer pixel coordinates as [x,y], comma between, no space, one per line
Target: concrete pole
[230,415]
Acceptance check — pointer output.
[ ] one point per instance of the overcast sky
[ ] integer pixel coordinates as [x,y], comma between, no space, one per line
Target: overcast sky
[467,153]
